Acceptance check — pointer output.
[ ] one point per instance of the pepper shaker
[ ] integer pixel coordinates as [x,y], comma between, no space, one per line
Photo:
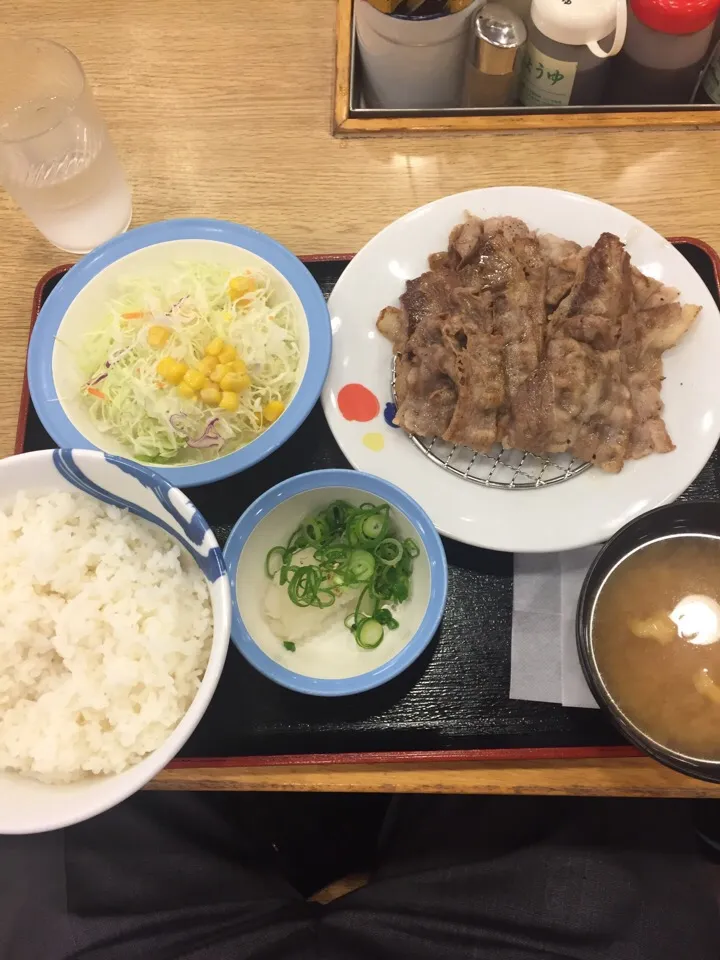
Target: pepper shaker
[497,36]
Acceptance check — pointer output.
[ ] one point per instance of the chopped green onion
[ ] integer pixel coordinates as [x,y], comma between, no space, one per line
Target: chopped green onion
[389,551]
[334,555]
[361,566]
[316,531]
[336,514]
[351,547]
[370,634]
[303,586]
[284,571]
[385,617]
[411,548]
[324,598]
[289,645]
[365,607]
[272,568]
[402,591]
[298,541]
[375,526]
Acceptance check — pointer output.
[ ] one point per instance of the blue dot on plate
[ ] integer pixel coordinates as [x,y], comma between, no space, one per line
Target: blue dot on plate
[389,414]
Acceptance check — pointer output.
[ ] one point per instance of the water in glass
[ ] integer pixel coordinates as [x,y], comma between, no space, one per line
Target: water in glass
[56,157]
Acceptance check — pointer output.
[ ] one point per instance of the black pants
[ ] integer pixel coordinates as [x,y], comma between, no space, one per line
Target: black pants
[193,876]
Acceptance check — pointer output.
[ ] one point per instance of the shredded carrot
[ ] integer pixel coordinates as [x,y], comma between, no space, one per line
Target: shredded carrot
[135,315]
[160,385]
[96,393]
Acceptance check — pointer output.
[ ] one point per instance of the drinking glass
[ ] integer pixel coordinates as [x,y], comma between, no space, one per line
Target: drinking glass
[56,158]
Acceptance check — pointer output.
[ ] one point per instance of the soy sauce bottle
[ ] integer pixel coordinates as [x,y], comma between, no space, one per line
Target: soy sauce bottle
[569,43]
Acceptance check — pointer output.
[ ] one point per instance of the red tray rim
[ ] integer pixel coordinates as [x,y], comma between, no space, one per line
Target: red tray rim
[518,754]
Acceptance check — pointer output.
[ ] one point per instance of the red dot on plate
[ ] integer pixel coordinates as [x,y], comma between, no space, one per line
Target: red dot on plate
[356,402]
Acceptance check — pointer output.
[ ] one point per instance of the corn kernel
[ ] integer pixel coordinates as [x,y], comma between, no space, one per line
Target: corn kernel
[219,372]
[239,286]
[229,400]
[235,381]
[171,370]
[194,379]
[186,391]
[157,336]
[207,365]
[166,367]
[227,355]
[272,410]
[238,366]
[214,347]
[211,395]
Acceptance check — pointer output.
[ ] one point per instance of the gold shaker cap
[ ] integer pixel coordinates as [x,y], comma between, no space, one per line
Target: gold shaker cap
[497,35]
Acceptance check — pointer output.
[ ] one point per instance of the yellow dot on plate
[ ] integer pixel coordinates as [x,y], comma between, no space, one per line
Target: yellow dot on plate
[374,441]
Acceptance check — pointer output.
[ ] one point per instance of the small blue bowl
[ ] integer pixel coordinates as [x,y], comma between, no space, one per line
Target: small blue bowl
[72,310]
[271,519]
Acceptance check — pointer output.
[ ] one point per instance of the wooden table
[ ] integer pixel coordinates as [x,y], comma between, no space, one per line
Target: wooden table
[224,110]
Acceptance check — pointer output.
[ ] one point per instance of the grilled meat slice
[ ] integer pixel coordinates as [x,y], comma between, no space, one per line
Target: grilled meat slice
[648,292]
[648,437]
[464,242]
[577,402]
[510,228]
[392,323]
[519,310]
[603,288]
[658,328]
[564,259]
[479,360]
[428,296]
[479,379]
[599,332]
[426,393]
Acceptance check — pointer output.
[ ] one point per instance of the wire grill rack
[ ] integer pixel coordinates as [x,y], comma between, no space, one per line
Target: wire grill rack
[500,468]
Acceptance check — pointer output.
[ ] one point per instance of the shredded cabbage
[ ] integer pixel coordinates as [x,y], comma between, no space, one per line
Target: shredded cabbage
[148,416]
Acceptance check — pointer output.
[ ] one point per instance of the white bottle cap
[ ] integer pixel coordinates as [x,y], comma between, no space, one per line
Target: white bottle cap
[574,21]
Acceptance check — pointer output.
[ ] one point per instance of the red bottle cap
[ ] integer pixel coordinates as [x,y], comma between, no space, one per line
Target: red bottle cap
[676,16]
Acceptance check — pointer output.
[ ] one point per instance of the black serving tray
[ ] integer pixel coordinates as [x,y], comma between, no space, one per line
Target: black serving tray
[450,704]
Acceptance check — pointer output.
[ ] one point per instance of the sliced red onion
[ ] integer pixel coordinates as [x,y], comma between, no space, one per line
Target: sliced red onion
[95,380]
[114,357]
[204,442]
[176,421]
[209,438]
[178,303]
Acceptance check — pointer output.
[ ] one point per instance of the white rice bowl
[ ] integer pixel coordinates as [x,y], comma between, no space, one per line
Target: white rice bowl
[50,763]
[105,635]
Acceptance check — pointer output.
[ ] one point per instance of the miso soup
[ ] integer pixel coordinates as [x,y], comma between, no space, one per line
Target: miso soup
[656,637]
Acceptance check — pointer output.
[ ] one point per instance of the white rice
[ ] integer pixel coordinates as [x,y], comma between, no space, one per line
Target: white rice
[105,632]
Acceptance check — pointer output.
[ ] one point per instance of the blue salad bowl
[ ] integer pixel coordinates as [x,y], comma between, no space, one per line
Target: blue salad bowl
[330,663]
[79,305]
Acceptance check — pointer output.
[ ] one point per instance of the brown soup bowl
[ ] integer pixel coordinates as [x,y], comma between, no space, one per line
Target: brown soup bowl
[699,518]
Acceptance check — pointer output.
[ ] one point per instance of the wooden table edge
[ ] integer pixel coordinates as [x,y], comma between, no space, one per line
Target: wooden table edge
[616,777]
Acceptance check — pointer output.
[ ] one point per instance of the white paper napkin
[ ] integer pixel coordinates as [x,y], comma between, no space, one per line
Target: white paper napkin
[544,663]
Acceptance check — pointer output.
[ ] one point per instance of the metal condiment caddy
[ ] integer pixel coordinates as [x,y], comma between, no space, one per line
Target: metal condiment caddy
[353,116]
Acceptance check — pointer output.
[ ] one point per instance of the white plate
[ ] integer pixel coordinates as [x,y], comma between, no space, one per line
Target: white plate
[586,509]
